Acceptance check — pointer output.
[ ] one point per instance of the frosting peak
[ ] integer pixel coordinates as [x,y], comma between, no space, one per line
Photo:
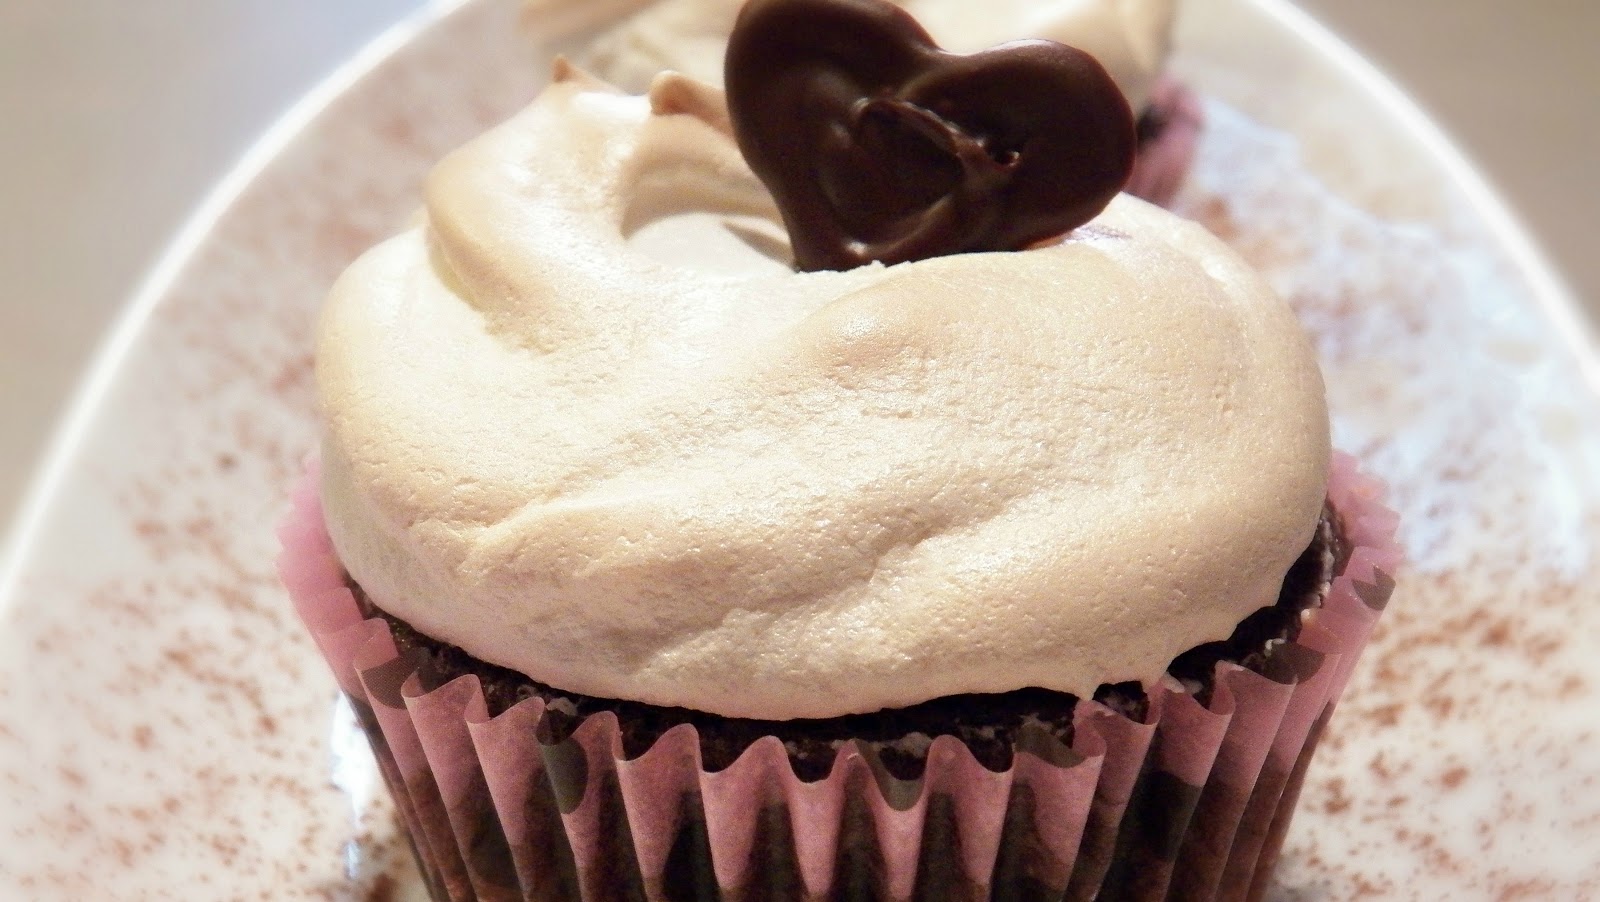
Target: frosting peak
[585,422]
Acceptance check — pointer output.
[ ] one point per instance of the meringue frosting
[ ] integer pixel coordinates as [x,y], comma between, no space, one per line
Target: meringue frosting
[1130,38]
[585,422]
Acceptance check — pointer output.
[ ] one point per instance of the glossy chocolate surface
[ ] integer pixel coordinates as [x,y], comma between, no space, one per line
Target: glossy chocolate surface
[879,146]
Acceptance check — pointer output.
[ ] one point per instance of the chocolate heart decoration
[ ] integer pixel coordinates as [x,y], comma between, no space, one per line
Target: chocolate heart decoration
[877,145]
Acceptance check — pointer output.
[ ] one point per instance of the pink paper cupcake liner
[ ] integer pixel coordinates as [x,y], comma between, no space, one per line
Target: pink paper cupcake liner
[1192,802]
[1164,160]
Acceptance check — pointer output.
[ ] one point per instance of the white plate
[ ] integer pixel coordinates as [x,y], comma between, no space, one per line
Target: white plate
[164,726]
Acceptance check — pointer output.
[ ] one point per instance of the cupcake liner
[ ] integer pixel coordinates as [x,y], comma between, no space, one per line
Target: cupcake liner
[1190,802]
[1164,160]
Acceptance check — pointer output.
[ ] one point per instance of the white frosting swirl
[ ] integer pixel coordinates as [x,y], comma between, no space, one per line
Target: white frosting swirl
[585,423]
[1131,38]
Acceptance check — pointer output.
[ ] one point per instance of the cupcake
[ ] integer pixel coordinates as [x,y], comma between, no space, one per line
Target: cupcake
[1131,40]
[972,557]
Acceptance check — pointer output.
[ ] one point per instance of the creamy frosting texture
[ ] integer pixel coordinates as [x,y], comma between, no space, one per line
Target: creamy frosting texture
[585,422]
[1131,38]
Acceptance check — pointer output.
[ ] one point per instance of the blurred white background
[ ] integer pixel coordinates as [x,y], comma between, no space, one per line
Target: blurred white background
[118,116]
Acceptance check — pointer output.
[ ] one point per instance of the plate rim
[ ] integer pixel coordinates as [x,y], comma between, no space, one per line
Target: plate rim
[71,426]
[1578,330]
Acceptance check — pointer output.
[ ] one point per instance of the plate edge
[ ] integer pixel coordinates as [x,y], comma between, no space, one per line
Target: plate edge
[68,434]
[1553,293]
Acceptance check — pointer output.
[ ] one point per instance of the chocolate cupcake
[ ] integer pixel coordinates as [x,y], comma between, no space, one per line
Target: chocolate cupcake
[992,553]
[1132,40]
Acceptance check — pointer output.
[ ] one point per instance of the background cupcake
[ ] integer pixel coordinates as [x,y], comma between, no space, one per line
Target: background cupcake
[1132,40]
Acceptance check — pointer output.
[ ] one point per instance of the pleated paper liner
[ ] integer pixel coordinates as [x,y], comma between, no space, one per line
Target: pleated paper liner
[1169,135]
[1190,803]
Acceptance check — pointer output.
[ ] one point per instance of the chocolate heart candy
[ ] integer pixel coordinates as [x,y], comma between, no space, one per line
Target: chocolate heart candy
[877,145]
